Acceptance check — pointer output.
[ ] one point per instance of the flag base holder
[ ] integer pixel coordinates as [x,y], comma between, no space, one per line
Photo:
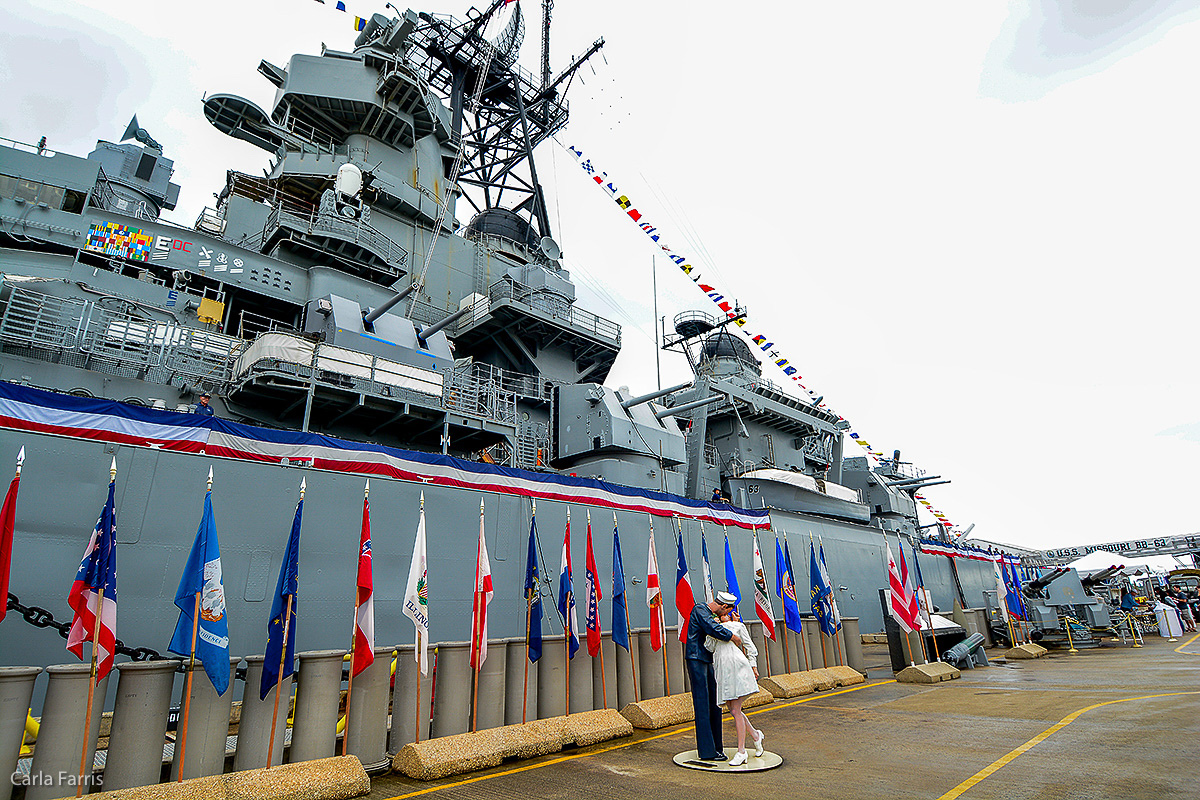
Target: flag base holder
[690,759]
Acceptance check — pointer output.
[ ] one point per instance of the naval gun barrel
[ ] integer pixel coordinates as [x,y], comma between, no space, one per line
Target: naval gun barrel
[1034,587]
[914,486]
[913,481]
[627,404]
[667,412]
[386,307]
[1091,580]
[437,326]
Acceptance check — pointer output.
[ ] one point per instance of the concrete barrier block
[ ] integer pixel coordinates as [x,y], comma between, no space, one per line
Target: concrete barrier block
[334,778]
[789,684]
[452,755]
[760,698]
[591,727]
[1026,651]
[935,672]
[659,712]
[846,676]
[874,638]
[823,678]
[191,789]
[538,737]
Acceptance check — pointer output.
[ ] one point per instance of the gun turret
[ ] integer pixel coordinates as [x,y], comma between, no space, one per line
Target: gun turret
[1033,589]
[1091,581]
[913,481]
[645,398]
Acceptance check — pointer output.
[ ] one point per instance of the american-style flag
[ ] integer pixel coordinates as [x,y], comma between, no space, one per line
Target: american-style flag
[684,599]
[97,572]
[593,597]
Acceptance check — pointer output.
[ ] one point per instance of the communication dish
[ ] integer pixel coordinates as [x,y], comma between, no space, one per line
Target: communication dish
[550,248]
[132,131]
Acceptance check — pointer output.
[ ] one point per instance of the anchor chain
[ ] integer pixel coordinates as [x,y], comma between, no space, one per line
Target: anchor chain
[41,618]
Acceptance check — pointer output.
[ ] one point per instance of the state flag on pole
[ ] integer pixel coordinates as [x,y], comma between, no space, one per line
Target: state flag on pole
[97,570]
[533,595]
[620,630]
[785,588]
[1016,604]
[288,584]
[708,587]
[483,596]
[731,582]
[684,599]
[592,588]
[416,594]
[898,605]
[910,593]
[654,599]
[833,606]
[820,593]
[364,619]
[202,573]
[1001,591]
[8,518]
[566,596]
[762,600]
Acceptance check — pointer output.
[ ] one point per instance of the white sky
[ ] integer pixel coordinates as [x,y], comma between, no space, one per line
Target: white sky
[970,225]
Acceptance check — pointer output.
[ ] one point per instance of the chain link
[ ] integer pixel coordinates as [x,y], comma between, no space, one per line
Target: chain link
[41,618]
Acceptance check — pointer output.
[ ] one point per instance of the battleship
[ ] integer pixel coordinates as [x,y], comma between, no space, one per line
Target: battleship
[386,300]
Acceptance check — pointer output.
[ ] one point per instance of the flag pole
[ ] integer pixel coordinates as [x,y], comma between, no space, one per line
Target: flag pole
[837,624]
[824,657]
[628,630]
[87,718]
[567,625]
[787,657]
[287,621]
[792,578]
[476,632]
[417,656]
[187,696]
[525,691]
[353,645]
[603,688]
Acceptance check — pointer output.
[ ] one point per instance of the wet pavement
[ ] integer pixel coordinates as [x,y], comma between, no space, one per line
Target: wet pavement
[1113,722]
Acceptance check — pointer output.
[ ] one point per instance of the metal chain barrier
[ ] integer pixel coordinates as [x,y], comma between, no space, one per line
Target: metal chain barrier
[41,618]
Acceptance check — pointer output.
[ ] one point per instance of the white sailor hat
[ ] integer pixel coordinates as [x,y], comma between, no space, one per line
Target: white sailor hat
[726,599]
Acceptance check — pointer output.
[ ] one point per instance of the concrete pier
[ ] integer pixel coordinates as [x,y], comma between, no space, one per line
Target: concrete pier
[366,727]
[208,725]
[254,731]
[61,739]
[405,716]
[518,693]
[318,695]
[492,688]
[452,709]
[852,641]
[16,689]
[139,724]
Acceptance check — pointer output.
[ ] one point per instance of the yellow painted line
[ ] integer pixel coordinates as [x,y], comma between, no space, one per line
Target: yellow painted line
[574,756]
[957,791]
[1185,644]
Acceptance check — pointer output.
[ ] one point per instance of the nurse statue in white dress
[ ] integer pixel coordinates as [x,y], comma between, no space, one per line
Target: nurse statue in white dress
[736,678]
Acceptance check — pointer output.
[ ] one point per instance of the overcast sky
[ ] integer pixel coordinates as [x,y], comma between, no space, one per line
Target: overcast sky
[969,225]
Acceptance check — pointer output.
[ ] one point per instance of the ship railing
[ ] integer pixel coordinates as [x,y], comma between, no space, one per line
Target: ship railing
[469,393]
[28,148]
[557,307]
[358,232]
[521,384]
[321,142]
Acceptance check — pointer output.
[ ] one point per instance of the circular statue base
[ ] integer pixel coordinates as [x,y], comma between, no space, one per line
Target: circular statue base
[691,759]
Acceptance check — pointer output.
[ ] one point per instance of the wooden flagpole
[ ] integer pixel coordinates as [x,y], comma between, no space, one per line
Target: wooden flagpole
[187,697]
[603,689]
[475,633]
[287,621]
[628,631]
[528,626]
[567,623]
[87,719]
[417,655]
[353,642]
[787,658]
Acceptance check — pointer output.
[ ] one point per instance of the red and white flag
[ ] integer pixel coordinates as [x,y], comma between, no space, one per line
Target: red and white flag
[762,598]
[483,596]
[8,518]
[364,617]
[901,603]
[592,588]
[654,599]
[97,573]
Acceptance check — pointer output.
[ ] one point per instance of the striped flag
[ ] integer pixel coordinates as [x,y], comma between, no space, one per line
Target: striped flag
[364,617]
[97,572]
[762,600]
[654,599]
[898,603]
[684,599]
[8,518]
[566,595]
[483,596]
[592,589]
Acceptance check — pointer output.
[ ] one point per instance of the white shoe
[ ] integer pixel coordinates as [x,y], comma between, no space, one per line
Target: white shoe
[738,759]
[758,744]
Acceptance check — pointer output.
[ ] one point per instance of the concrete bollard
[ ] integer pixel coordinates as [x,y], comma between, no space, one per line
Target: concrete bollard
[552,679]
[812,640]
[61,738]
[520,683]
[604,685]
[650,666]
[492,686]
[254,730]
[318,698]
[366,727]
[852,641]
[452,703]
[581,679]
[406,719]
[139,724]
[626,665]
[779,665]
[16,689]
[208,725]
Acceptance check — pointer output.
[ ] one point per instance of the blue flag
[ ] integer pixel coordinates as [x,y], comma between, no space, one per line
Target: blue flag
[730,574]
[820,592]
[785,587]
[289,576]
[533,591]
[203,574]
[620,630]
[833,606]
[1016,603]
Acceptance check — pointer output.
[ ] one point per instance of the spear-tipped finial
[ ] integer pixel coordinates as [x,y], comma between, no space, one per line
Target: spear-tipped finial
[589,516]
[568,514]
[112,471]
[303,483]
[481,506]
[20,459]
[367,489]
[614,519]
[533,503]
[210,476]
[422,500]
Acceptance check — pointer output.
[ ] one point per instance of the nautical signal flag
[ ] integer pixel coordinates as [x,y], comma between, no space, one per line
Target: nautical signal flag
[684,599]
[654,598]
[731,582]
[364,614]
[592,589]
[620,629]
[8,518]
[281,629]
[762,600]
[202,574]
[97,576]
[483,596]
[566,597]
[533,596]
[416,593]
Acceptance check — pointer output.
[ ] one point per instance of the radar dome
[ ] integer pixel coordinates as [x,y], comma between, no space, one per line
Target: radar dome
[504,224]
